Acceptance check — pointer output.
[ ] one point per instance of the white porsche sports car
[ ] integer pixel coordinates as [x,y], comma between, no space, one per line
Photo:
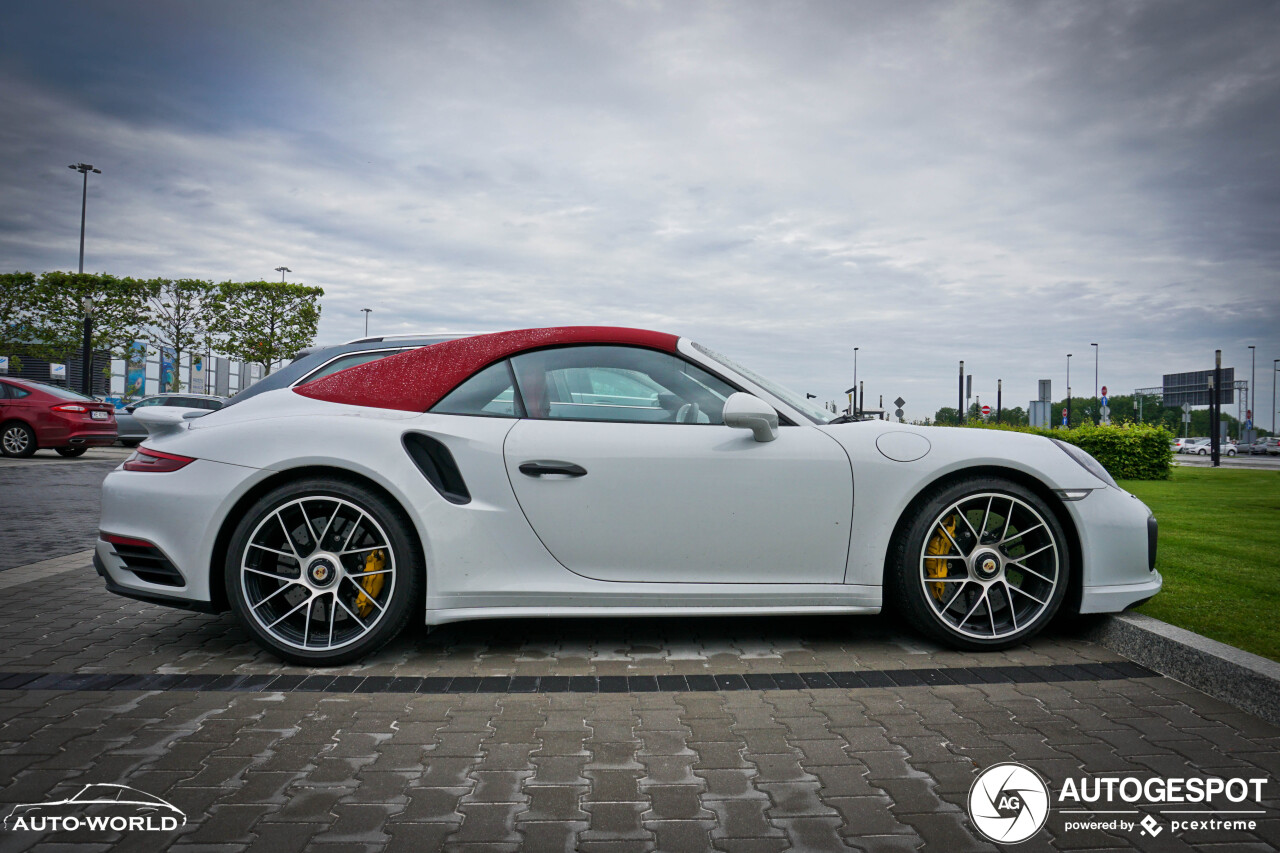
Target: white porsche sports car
[590,471]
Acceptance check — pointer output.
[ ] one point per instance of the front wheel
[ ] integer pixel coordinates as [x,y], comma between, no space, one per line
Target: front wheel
[323,571]
[71,452]
[982,565]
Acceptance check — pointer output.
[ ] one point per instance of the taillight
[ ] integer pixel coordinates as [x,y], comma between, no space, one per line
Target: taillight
[70,407]
[124,540]
[146,459]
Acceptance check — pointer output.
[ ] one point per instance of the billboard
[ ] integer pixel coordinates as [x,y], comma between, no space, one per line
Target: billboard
[168,371]
[135,372]
[1193,388]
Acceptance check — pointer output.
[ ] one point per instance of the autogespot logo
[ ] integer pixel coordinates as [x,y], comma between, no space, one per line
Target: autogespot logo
[1008,803]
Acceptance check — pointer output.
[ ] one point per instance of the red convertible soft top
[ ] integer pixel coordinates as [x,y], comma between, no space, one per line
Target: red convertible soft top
[415,381]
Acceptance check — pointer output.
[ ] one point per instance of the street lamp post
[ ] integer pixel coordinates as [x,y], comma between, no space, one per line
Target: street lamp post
[86,356]
[855,381]
[84,169]
[1069,390]
[1095,379]
[282,271]
[1253,378]
[1273,395]
[367,312]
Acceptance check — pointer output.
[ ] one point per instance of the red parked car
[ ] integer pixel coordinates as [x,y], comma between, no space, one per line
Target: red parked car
[35,415]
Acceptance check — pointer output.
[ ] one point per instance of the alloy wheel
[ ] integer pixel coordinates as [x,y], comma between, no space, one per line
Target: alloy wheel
[318,573]
[990,566]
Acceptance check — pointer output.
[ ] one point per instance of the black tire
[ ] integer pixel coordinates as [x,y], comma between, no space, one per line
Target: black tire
[932,607]
[71,452]
[343,596]
[17,440]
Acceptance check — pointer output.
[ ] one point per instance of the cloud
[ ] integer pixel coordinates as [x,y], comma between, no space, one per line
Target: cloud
[1000,184]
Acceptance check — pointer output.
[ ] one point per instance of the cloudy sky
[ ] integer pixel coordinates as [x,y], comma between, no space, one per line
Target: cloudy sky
[1002,183]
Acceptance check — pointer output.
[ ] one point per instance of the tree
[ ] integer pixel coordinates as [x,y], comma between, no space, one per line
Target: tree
[58,310]
[947,415]
[264,321]
[180,315]
[17,300]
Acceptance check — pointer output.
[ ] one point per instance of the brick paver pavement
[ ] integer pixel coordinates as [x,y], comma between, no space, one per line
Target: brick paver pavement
[727,734]
[807,768]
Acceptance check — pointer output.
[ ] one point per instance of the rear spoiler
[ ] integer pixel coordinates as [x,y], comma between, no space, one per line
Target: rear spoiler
[163,420]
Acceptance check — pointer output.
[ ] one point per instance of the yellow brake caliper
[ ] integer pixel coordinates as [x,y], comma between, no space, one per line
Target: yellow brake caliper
[372,585]
[939,544]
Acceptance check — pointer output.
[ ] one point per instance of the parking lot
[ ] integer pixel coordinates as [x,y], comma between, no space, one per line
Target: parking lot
[635,734]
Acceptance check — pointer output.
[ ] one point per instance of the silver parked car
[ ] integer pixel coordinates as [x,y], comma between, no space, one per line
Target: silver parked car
[132,432]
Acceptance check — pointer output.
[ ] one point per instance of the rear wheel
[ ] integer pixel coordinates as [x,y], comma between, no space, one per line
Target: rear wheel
[982,565]
[17,439]
[71,452]
[323,571]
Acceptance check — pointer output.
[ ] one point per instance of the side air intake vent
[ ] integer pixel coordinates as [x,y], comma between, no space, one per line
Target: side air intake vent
[436,464]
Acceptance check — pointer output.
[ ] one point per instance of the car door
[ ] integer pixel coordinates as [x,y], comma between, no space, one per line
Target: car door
[626,471]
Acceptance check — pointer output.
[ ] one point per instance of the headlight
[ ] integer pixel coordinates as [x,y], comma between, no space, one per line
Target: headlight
[1087,462]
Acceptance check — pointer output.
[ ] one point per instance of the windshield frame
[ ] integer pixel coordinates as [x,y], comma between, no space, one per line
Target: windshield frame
[795,402]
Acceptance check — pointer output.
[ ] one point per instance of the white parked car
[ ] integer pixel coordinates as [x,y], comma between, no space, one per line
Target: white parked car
[589,471]
[1203,447]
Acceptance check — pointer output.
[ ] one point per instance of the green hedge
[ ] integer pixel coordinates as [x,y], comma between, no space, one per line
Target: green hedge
[1127,451]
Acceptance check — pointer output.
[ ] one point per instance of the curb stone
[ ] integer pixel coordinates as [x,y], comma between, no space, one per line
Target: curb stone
[1247,681]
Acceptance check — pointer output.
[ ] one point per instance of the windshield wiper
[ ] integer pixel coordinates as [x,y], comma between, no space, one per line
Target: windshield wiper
[843,419]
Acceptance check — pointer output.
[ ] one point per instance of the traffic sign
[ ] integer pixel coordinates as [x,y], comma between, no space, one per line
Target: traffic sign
[986,410]
[899,402]
[1064,412]
[1104,390]
[897,413]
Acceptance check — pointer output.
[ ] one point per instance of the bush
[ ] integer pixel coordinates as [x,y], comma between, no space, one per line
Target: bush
[1127,451]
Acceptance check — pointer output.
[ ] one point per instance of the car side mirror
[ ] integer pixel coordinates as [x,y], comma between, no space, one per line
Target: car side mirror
[130,409]
[746,411]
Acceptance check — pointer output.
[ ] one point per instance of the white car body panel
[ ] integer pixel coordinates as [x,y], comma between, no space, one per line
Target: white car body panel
[803,525]
[687,503]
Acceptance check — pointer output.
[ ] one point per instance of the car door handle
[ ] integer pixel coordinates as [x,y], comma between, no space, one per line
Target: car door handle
[538,467]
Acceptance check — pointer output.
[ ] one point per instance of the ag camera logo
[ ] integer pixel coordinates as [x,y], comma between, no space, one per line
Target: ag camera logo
[1008,803]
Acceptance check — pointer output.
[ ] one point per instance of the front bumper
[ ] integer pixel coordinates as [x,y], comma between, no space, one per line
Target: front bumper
[1118,536]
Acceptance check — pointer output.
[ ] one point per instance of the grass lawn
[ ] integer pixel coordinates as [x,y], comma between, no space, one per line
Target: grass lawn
[1219,541]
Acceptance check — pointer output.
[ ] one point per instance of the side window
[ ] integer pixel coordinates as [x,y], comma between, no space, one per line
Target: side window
[488,393]
[4,390]
[16,393]
[342,362]
[150,401]
[614,383]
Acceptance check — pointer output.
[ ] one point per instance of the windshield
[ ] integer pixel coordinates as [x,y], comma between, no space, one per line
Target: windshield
[796,401]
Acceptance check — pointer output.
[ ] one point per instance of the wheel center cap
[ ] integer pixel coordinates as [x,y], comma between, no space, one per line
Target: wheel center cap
[322,571]
[986,565]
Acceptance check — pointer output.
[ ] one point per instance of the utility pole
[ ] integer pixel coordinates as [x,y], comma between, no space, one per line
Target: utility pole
[366,311]
[960,395]
[999,398]
[282,271]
